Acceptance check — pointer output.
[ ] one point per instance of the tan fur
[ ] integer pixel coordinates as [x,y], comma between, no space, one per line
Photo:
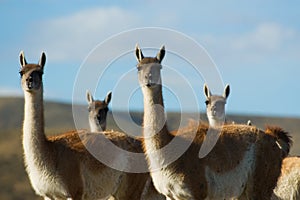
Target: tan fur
[215,106]
[130,186]
[288,185]
[97,112]
[239,147]
[143,189]
[289,164]
[61,167]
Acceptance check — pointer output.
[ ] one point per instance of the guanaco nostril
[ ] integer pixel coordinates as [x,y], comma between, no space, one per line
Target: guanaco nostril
[213,110]
[29,82]
[149,83]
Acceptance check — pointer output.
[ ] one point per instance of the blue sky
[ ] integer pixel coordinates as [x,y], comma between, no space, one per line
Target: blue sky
[255,47]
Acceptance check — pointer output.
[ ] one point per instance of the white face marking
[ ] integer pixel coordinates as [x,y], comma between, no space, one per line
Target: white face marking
[215,110]
[215,106]
[149,74]
[97,115]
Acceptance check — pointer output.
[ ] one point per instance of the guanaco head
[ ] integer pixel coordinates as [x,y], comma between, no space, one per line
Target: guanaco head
[31,74]
[215,106]
[149,68]
[97,112]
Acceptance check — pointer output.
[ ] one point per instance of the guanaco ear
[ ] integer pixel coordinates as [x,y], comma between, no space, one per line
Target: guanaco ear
[226,91]
[161,54]
[107,98]
[23,61]
[138,53]
[89,97]
[42,60]
[206,90]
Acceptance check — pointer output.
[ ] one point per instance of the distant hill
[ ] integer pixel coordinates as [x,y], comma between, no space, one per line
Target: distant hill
[14,183]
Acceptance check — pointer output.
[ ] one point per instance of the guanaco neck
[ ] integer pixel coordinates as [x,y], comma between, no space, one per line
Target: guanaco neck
[95,126]
[35,144]
[155,128]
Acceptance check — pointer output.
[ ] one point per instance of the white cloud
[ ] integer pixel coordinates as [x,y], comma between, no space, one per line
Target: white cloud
[73,36]
[266,37]
[264,41]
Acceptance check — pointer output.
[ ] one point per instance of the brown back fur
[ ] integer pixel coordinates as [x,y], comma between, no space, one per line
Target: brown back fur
[229,151]
[131,184]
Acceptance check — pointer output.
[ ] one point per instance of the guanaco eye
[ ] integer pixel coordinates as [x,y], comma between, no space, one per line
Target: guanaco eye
[21,73]
[207,102]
